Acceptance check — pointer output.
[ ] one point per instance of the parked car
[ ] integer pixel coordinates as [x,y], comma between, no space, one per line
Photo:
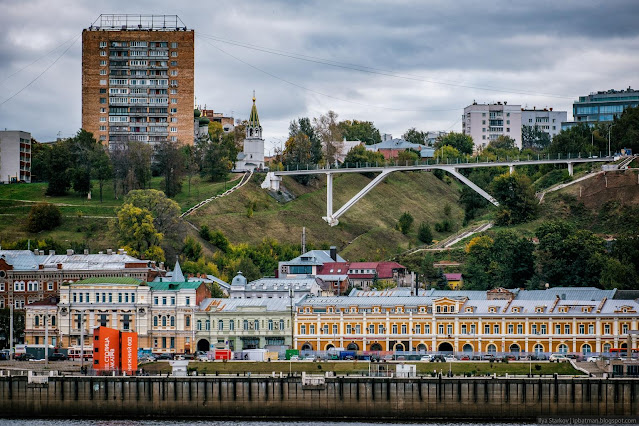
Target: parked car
[488,357]
[165,356]
[25,357]
[510,357]
[464,358]
[438,358]
[294,358]
[146,358]
[203,357]
[558,358]
[450,358]
[594,358]
[57,357]
[426,358]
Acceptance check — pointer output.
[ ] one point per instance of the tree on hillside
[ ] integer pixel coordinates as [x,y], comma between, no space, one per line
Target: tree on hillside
[360,155]
[192,250]
[40,154]
[473,202]
[297,154]
[43,217]
[625,131]
[413,135]
[407,157]
[573,140]
[330,134]
[461,142]
[81,147]
[516,196]
[303,125]
[58,170]
[446,153]
[567,256]
[191,164]
[364,131]
[165,212]
[502,142]
[424,233]
[170,163]
[405,222]
[138,234]
[534,137]
[102,168]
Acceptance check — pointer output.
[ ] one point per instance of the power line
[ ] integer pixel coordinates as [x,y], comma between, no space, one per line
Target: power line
[378,71]
[325,94]
[41,57]
[40,75]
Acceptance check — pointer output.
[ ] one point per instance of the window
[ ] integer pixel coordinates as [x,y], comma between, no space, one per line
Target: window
[174,54]
[449,329]
[156,300]
[49,286]
[164,300]
[174,45]
[173,110]
[103,44]
[102,72]
[187,300]
[245,325]
[103,63]
[187,321]
[440,329]
[591,329]
[102,53]
[256,325]
[311,329]
[119,297]
[174,100]
[232,325]
[53,322]
[103,100]
[567,329]
[207,325]
[511,329]
[174,119]
[172,321]
[199,324]
[582,329]
[163,321]
[403,328]
[174,73]
[624,329]
[220,325]
[418,329]
[533,329]
[172,342]
[155,321]
[282,326]
[606,328]
[103,128]
[102,82]
[173,129]
[172,300]
[496,329]
[174,63]
[302,329]
[486,329]
[19,286]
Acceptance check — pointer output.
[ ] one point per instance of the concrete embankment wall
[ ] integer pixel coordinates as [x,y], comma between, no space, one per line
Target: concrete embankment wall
[355,398]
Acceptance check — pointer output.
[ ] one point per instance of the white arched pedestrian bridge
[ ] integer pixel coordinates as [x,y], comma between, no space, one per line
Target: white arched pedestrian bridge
[274,178]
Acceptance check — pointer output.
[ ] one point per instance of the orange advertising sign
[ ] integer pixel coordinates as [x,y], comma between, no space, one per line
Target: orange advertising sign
[129,351]
[106,348]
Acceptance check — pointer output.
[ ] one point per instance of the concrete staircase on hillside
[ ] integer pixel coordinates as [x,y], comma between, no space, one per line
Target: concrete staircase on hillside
[241,183]
[592,368]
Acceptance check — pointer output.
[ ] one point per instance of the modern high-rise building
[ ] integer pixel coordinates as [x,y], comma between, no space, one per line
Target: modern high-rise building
[137,79]
[15,156]
[602,106]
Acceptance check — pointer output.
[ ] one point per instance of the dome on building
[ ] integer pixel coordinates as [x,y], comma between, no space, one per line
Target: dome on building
[239,280]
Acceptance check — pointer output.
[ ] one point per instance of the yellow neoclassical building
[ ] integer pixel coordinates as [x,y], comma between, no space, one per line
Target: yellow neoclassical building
[556,320]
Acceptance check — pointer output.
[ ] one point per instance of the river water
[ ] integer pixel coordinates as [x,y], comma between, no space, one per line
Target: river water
[39,422]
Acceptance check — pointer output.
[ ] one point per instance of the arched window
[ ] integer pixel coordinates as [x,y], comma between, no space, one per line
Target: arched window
[281,324]
[207,325]
[163,321]
[606,347]
[491,348]
[586,348]
[245,324]
[514,347]
[352,347]
[199,324]
[467,347]
[220,325]
[538,348]
[421,347]
[256,325]
[562,348]
[172,321]
[155,321]
[270,324]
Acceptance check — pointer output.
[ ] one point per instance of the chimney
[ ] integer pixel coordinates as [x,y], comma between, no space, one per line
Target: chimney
[121,251]
[86,251]
[36,252]
[51,252]
[109,252]
[69,252]
[334,253]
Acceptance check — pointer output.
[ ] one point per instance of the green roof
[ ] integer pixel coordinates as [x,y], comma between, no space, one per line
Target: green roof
[110,280]
[174,286]
[254,120]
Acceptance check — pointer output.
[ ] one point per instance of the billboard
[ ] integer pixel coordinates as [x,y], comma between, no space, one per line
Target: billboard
[129,351]
[106,349]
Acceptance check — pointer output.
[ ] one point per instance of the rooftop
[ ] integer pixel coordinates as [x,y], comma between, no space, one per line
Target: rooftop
[109,280]
[126,22]
[174,285]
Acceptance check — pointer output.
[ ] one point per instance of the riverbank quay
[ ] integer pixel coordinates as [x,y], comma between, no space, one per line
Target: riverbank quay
[313,397]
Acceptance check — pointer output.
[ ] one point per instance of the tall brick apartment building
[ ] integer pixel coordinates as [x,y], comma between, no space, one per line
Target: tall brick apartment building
[137,79]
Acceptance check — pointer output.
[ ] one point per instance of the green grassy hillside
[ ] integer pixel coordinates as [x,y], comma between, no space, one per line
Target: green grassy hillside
[366,231]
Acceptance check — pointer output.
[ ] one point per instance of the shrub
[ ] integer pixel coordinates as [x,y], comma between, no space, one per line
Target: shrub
[43,217]
[424,234]
[405,222]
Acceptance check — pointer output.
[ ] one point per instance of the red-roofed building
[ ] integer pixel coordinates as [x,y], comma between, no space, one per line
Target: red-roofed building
[364,274]
[455,281]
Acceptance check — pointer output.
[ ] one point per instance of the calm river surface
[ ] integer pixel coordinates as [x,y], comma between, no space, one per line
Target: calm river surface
[12,422]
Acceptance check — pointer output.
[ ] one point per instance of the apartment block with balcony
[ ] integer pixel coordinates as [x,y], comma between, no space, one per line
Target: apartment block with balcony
[15,156]
[545,119]
[486,122]
[138,79]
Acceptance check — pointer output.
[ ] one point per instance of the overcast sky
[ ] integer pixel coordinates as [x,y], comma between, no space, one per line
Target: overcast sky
[430,58]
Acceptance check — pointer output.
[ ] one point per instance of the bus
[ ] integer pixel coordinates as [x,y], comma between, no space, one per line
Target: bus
[75,351]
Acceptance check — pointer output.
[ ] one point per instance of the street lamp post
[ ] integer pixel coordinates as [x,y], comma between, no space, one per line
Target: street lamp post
[609,129]
[46,338]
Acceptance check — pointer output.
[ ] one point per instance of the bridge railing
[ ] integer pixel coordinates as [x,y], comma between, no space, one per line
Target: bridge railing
[448,161]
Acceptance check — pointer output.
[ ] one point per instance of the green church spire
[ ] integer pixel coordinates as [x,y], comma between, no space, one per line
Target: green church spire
[254,120]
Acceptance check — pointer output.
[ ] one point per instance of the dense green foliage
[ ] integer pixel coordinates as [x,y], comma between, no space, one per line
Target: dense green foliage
[405,222]
[517,201]
[424,233]
[461,142]
[413,135]
[43,216]
[364,131]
